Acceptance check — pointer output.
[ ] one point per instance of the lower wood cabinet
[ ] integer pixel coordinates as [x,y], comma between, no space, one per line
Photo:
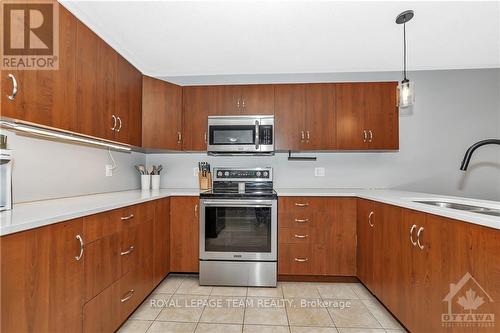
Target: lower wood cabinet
[317,236]
[184,234]
[161,240]
[42,278]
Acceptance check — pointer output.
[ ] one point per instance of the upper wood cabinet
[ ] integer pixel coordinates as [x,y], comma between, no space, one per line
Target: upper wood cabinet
[305,116]
[184,234]
[367,116]
[46,97]
[232,100]
[161,114]
[42,278]
[196,103]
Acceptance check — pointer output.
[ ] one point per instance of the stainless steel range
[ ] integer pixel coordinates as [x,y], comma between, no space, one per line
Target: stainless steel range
[238,229]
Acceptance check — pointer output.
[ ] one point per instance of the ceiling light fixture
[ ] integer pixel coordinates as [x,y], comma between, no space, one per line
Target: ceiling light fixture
[406,88]
[40,131]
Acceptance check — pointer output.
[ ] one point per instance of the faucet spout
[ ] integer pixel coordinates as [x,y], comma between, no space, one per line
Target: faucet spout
[470,151]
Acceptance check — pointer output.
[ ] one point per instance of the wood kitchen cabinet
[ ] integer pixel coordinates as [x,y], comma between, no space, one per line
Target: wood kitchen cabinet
[161,240]
[232,100]
[196,103]
[42,278]
[46,97]
[367,116]
[184,234]
[161,114]
[365,232]
[305,116]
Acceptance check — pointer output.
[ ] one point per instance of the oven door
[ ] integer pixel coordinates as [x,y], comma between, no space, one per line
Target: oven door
[238,230]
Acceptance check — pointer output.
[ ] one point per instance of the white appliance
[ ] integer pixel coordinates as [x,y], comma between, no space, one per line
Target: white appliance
[5,179]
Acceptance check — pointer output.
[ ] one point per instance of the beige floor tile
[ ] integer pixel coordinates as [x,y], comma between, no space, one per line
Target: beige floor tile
[296,329]
[224,310]
[151,307]
[184,308]
[265,311]
[171,327]
[170,284]
[191,286]
[135,326]
[361,291]
[336,290]
[299,290]
[310,312]
[229,291]
[265,329]
[218,328]
[357,315]
[361,330]
[265,292]
[382,315]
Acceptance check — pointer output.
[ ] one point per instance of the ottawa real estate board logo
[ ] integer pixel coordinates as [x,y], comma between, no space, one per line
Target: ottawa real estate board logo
[30,35]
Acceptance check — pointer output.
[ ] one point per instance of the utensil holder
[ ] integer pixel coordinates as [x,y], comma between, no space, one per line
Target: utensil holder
[205,180]
[145,182]
[155,182]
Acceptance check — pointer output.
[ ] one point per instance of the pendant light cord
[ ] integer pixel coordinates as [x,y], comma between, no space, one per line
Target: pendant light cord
[404,51]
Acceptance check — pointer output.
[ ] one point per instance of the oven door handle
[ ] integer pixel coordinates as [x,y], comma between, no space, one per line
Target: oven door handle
[257,138]
[238,203]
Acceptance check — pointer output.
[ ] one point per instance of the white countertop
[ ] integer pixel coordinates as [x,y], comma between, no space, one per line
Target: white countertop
[36,214]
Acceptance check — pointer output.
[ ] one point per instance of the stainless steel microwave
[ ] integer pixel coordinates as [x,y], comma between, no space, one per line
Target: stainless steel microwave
[241,135]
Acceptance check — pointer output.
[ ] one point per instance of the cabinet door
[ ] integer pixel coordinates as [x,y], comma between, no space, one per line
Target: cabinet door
[364,259]
[196,102]
[289,116]
[41,280]
[128,92]
[340,231]
[257,99]
[46,97]
[184,234]
[161,240]
[161,114]
[320,117]
[350,116]
[96,78]
[381,115]
[226,101]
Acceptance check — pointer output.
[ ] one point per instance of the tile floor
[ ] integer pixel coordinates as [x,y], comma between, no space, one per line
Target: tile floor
[179,304]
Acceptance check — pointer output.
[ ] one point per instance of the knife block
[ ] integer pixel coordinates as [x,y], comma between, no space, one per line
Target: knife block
[205,181]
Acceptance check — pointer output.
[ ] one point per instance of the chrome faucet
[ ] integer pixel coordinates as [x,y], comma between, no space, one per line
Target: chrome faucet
[470,151]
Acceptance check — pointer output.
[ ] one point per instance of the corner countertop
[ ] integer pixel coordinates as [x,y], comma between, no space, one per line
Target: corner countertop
[30,215]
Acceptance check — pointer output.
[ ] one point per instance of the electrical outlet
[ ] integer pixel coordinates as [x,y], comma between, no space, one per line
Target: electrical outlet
[319,172]
[109,170]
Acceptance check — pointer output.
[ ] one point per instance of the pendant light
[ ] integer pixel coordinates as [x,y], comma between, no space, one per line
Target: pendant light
[406,88]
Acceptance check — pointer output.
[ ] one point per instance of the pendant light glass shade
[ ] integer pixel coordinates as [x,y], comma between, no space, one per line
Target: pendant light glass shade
[406,90]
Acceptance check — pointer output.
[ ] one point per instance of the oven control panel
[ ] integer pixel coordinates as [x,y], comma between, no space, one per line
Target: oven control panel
[263,174]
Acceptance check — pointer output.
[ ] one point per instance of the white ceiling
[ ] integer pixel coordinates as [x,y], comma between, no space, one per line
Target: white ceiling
[183,38]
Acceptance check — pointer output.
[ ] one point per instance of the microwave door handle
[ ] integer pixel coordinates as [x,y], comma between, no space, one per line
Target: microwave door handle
[257,139]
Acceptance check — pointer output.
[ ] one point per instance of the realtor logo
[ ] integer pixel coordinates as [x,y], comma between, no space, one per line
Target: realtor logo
[467,301]
[30,35]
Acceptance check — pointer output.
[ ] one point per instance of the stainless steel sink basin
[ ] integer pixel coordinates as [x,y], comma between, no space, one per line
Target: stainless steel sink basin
[460,206]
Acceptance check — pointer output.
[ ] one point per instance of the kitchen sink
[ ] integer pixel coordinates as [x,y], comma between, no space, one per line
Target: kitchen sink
[461,206]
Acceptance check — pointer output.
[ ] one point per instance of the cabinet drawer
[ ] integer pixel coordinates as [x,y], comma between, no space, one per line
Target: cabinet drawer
[126,216]
[298,235]
[98,226]
[287,220]
[102,314]
[294,259]
[130,294]
[296,205]
[130,248]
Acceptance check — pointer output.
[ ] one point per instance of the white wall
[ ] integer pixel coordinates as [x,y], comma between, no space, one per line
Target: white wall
[45,169]
[453,110]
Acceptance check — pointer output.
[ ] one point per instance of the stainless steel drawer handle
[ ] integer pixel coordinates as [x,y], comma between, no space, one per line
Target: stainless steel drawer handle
[301,220]
[179,137]
[205,137]
[413,227]
[302,136]
[301,236]
[130,250]
[114,122]
[128,296]
[308,136]
[119,124]
[298,204]
[365,136]
[371,136]
[419,233]
[79,256]
[370,219]
[124,218]
[301,259]
[14,87]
